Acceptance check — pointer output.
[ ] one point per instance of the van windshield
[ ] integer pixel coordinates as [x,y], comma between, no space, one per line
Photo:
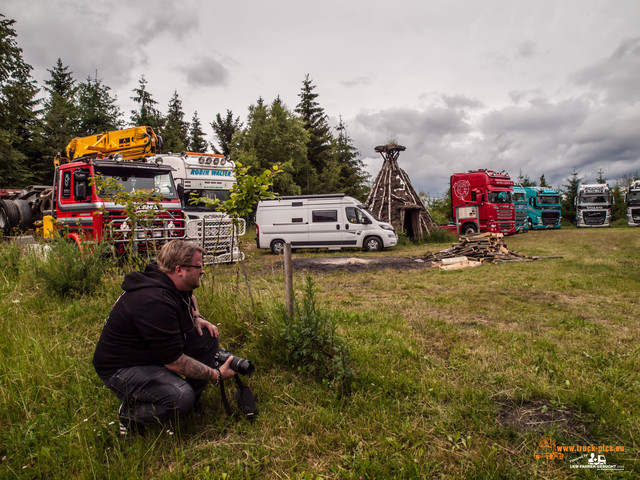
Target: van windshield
[363,208]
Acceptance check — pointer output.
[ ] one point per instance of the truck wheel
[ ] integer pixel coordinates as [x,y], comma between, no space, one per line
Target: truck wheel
[530,223]
[372,244]
[469,229]
[277,247]
[26,218]
[9,215]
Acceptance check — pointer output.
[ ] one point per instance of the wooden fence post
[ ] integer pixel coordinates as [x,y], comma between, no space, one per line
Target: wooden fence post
[288,279]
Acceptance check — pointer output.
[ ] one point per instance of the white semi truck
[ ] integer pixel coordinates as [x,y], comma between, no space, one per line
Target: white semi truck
[632,198]
[206,175]
[593,205]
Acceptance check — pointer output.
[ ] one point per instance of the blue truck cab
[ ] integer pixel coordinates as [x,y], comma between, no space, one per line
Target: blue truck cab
[520,202]
[543,208]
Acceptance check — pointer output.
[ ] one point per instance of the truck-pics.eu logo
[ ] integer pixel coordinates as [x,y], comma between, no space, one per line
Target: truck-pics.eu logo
[593,456]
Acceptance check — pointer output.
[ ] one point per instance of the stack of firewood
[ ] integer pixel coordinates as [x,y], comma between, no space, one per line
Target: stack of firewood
[477,248]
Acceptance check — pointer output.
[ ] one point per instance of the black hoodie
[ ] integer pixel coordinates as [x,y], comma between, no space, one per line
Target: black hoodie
[146,325]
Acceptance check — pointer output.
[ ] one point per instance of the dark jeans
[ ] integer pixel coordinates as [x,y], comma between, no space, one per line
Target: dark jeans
[154,393]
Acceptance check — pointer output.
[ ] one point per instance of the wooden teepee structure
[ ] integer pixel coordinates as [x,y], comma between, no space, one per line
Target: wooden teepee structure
[392,198]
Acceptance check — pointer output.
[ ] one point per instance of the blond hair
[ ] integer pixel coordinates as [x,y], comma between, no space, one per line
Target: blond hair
[177,252]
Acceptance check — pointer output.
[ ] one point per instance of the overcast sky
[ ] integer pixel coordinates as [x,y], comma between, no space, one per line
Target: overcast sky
[541,87]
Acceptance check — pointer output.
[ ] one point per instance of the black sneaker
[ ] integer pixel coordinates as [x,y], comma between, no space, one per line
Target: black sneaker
[129,427]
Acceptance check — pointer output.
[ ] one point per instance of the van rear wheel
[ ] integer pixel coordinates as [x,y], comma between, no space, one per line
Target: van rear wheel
[372,244]
[277,247]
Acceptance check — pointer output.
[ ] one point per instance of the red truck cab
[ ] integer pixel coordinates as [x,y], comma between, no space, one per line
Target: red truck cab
[482,201]
[78,207]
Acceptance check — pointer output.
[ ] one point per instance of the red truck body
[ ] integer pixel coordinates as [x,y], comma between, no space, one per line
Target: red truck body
[482,201]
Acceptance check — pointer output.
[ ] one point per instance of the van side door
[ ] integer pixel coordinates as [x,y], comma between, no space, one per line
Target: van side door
[325,229]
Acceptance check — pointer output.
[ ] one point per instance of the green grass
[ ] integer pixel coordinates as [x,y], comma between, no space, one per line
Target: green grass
[459,374]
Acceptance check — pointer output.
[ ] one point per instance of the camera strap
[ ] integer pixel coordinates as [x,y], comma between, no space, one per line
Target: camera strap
[245,398]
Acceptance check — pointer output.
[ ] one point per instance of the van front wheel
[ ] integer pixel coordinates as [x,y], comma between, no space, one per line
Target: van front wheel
[277,247]
[372,244]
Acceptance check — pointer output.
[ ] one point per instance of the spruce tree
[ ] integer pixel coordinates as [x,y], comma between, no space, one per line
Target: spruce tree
[601,178]
[525,181]
[176,131]
[18,119]
[543,181]
[147,114]
[97,109]
[196,141]
[569,194]
[320,138]
[223,130]
[60,119]
[347,174]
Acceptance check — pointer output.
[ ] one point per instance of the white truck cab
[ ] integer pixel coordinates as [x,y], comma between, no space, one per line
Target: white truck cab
[332,221]
[206,175]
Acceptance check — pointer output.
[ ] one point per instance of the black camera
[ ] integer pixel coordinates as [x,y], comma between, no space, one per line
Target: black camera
[239,365]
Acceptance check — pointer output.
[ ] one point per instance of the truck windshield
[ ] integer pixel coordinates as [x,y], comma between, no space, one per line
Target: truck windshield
[594,199]
[499,197]
[191,197]
[549,200]
[131,180]
[633,197]
[518,197]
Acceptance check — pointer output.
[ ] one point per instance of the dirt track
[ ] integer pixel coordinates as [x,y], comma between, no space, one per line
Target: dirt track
[359,264]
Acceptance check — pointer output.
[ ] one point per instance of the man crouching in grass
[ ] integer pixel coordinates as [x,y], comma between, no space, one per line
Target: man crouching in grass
[156,352]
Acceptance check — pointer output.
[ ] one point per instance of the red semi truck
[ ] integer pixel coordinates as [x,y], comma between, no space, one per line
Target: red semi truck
[482,201]
[74,205]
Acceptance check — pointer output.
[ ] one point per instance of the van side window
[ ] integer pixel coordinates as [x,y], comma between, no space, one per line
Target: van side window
[354,215]
[320,216]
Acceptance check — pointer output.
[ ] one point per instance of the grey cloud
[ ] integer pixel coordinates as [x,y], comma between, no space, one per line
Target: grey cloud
[361,81]
[166,18]
[208,72]
[526,49]
[616,76]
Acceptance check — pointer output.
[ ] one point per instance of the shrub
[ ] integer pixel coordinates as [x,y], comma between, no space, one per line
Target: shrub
[311,343]
[67,270]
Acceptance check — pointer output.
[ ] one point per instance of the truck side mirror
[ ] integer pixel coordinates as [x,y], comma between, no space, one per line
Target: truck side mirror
[366,221]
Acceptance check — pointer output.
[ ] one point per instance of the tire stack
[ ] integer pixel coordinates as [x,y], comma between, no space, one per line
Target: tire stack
[15,215]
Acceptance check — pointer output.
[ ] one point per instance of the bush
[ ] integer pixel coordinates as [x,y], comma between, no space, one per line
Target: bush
[70,271]
[311,343]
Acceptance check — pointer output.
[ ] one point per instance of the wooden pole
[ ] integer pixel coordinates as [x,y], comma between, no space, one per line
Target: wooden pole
[288,279]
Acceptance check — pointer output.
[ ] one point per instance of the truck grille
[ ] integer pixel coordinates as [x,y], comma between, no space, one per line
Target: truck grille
[635,215]
[505,215]
[521,217]
[550,218]
[505,227]
[594,217]
[218,236]
[166,226]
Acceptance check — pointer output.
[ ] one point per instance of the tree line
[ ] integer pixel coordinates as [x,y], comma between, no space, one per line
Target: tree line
[37,122]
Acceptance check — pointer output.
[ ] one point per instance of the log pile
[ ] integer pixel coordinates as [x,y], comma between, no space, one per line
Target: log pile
[477,248]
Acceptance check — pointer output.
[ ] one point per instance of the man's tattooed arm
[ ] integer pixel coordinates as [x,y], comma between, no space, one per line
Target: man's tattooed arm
[191,368]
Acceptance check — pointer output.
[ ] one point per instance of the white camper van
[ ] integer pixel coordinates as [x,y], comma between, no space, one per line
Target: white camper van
[320,221]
